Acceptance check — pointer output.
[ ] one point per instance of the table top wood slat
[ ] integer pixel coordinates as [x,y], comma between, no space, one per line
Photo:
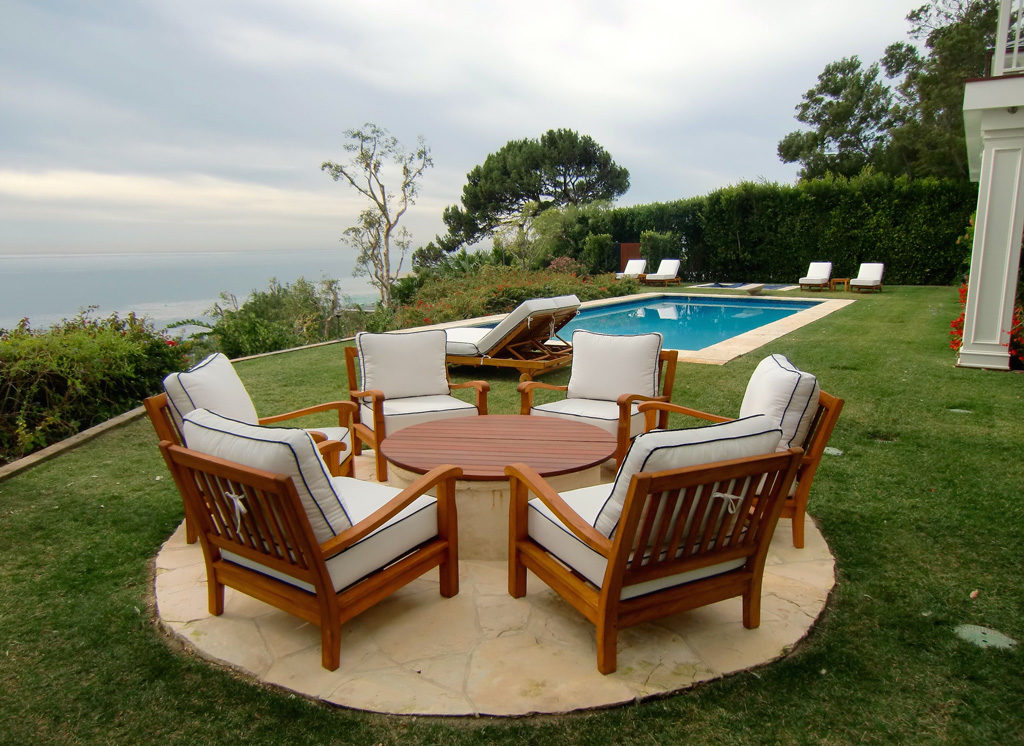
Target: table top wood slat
[484,445]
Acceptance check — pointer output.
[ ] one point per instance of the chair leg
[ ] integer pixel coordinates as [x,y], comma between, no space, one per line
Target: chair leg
[382,464]
[214,594]
[449,569]
[330,646]
[516,574]
[798,528]
[607,646]
[191,535]
[752,606]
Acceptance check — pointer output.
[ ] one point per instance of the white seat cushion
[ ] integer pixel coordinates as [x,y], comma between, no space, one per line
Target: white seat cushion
[547,530]
[210,384]
[280,450]
[603,414]
[403,364]
[605,366]
[466,340]
[667,270]
[786,394]
[869,275]
[415,524]
[633,268]
[661,450]
[414,410]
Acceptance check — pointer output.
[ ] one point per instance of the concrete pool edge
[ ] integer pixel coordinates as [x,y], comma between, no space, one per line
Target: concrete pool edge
[721,352]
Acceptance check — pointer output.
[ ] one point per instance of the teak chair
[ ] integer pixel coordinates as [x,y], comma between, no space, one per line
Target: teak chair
[403,381]
[667,274]
[611,374]
[812,439]
[869,278]
[526,339]
[258,538]
[818,276]
[660,540]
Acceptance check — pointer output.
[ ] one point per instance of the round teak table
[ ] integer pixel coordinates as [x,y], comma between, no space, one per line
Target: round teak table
[568,454]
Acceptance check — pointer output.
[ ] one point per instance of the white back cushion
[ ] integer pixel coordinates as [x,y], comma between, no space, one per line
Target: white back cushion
[668,267]
[635,266]
[403,364]
[210,384]
[819,270]
[786,394]
[605,366]
[871,271]
[660,450]
[281,450]
[531,307]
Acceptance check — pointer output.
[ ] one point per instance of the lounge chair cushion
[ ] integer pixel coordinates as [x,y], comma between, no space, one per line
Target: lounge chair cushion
[279,450]
[667,270]
[413,410]
[600,412]
[660,450]
[605,366]
[633,268]
[212,384]
[546,529]
[786,394]
[480,341]
[404,363]
[869,275]
[818,273]
[415,524]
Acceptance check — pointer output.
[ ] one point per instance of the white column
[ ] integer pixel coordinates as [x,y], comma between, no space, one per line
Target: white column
[997,240]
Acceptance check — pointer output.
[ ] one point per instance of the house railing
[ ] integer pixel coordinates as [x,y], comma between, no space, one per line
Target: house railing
[1009,55]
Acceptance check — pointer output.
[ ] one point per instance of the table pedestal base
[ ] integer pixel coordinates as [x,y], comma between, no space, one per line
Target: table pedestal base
[483,508]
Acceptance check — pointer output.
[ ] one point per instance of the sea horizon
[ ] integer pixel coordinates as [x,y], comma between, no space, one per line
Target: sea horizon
[163,286]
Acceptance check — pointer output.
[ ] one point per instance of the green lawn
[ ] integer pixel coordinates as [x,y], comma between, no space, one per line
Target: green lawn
[923,507]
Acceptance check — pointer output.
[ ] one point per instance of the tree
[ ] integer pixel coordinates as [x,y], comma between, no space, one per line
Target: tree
[913,129]
[377,236]
[848,111]
[561,168]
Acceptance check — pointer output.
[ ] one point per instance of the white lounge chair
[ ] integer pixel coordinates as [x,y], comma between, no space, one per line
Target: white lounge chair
[634,268]
[818,276]
[523,339]
[667,274]
[869,277]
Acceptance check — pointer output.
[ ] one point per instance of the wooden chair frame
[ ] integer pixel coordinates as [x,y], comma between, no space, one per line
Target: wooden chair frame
[818,435]
[655,515]
[667,361]
[372,437]
[528,348]
[275,532]
[159,411]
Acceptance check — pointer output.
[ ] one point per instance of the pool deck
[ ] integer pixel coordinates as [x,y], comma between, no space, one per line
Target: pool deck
[722,352]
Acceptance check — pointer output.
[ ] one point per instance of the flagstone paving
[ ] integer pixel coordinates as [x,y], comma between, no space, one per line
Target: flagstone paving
[483,652]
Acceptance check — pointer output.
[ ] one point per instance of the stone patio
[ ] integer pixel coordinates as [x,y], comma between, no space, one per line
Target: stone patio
[483,652]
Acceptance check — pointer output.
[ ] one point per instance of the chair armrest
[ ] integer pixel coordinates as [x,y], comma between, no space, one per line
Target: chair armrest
[331,451]
[535,483]
[482,387]
[525,390]
[651,410]
[376,397]
[347,412]
[393,507]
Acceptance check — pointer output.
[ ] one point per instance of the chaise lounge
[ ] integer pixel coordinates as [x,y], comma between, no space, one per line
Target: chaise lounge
[818,276]
[633,269]
[869,278]
[527,339]
[667,274]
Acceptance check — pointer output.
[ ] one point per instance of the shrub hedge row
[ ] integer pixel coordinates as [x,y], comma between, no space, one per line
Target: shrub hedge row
[770,232]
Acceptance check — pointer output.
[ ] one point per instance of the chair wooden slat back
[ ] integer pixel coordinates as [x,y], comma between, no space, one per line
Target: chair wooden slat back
[159,411]
[254,514]
[677,521]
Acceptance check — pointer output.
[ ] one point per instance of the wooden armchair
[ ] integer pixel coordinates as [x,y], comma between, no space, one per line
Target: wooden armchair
[403,381]
[611,375]
[260,537]
[659,540]
[821,423]
[334,452]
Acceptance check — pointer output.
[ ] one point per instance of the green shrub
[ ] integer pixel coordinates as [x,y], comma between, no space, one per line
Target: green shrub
[655,246]
[600,253]
[57,382]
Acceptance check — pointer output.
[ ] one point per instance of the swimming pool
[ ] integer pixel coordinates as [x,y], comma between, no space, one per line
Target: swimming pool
[687,322]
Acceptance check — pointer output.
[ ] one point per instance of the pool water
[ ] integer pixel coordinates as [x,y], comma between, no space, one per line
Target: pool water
[686,322]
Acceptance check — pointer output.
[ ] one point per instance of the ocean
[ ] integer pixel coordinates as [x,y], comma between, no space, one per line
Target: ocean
[164,287]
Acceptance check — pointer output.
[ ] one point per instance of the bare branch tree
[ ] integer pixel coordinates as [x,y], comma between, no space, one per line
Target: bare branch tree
[376,236]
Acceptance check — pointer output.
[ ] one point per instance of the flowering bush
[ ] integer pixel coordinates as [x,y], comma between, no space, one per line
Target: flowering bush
[78,373]
[1015,344]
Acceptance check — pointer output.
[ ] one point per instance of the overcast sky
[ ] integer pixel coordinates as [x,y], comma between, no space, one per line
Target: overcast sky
[201,125]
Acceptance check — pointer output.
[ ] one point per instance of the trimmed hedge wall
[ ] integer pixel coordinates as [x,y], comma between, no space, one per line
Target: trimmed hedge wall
[771,232]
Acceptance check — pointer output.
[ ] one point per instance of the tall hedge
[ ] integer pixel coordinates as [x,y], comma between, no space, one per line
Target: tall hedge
[770,232]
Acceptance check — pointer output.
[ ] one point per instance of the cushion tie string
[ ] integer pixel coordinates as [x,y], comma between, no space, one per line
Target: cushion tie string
[733,502]
[239,509]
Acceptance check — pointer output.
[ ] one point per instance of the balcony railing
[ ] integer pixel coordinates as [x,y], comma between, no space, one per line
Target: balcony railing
[1010,31]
